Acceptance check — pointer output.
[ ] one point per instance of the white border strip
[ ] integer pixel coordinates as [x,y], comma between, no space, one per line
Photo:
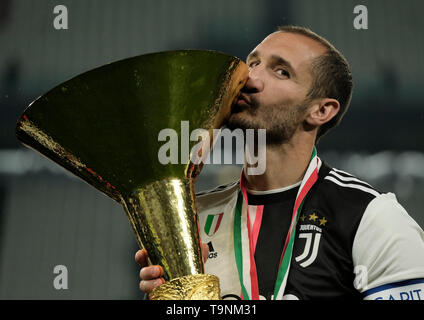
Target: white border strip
[351,185]
[351,178]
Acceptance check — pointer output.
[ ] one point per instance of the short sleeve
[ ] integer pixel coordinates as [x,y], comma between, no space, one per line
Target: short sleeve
[388,247]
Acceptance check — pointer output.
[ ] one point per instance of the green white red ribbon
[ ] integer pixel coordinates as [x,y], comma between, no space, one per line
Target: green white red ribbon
[245,236]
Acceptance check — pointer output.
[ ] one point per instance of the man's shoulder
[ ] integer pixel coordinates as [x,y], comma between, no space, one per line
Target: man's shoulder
[219,196]
[342,197]
[357,205]
[345,189]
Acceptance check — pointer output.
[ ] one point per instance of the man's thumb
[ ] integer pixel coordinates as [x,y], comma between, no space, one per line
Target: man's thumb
[205,251]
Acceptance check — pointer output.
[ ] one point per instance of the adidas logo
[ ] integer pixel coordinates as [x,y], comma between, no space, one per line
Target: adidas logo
[212,253]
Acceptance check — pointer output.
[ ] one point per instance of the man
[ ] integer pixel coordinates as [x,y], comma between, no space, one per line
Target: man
[302,230]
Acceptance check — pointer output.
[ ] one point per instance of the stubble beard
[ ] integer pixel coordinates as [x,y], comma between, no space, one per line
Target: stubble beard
[280,121]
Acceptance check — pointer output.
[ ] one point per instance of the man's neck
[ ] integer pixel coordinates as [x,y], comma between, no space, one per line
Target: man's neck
[286,165]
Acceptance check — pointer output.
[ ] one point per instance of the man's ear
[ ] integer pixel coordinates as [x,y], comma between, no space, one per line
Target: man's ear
[322,111]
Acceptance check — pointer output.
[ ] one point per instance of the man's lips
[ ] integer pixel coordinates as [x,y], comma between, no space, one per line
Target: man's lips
[242,100]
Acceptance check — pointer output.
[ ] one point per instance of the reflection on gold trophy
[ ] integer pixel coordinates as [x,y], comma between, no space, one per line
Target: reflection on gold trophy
[103,126]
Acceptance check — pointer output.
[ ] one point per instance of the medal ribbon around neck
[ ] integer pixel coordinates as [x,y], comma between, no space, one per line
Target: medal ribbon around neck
[244,242]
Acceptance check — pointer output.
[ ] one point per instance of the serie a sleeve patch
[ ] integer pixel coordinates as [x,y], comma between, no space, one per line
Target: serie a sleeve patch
[404,290]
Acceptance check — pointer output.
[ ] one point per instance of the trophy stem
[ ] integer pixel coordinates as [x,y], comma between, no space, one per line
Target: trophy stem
[164,218]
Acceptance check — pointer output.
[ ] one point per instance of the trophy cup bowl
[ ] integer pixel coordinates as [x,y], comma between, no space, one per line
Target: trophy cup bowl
[103,126]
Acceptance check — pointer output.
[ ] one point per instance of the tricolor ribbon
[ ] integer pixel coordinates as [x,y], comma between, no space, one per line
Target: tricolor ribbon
[245,236]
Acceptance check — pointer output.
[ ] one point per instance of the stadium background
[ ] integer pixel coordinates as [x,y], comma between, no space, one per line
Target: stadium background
[49,218]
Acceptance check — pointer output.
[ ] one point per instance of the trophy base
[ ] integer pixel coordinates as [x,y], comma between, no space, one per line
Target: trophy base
[191,287]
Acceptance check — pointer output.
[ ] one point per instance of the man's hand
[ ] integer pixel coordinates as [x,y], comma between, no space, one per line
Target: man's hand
[152,276]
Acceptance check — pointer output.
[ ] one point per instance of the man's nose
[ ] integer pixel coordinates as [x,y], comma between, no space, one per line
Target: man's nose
[254,83]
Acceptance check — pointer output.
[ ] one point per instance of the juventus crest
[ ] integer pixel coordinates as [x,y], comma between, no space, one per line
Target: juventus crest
[310,230]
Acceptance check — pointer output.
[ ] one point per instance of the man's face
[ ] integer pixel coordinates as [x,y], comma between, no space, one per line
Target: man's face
[275,95]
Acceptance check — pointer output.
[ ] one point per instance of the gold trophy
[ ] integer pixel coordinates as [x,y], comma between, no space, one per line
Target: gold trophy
[103,126]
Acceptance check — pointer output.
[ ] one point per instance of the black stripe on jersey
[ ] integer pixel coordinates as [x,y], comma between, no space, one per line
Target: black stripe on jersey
[218,189]
[336,175]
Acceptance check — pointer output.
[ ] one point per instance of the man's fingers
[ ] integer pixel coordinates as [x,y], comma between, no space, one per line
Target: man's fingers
[151,272]
[152,276]
[147,286]
[205,251]
[141,257]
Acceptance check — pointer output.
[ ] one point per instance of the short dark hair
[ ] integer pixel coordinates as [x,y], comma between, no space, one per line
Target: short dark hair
[332,76]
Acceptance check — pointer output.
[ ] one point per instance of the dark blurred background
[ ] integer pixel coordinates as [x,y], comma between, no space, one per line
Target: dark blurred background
[49,218]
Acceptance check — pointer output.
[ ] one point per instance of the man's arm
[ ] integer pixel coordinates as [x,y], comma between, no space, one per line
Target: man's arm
[388,252]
